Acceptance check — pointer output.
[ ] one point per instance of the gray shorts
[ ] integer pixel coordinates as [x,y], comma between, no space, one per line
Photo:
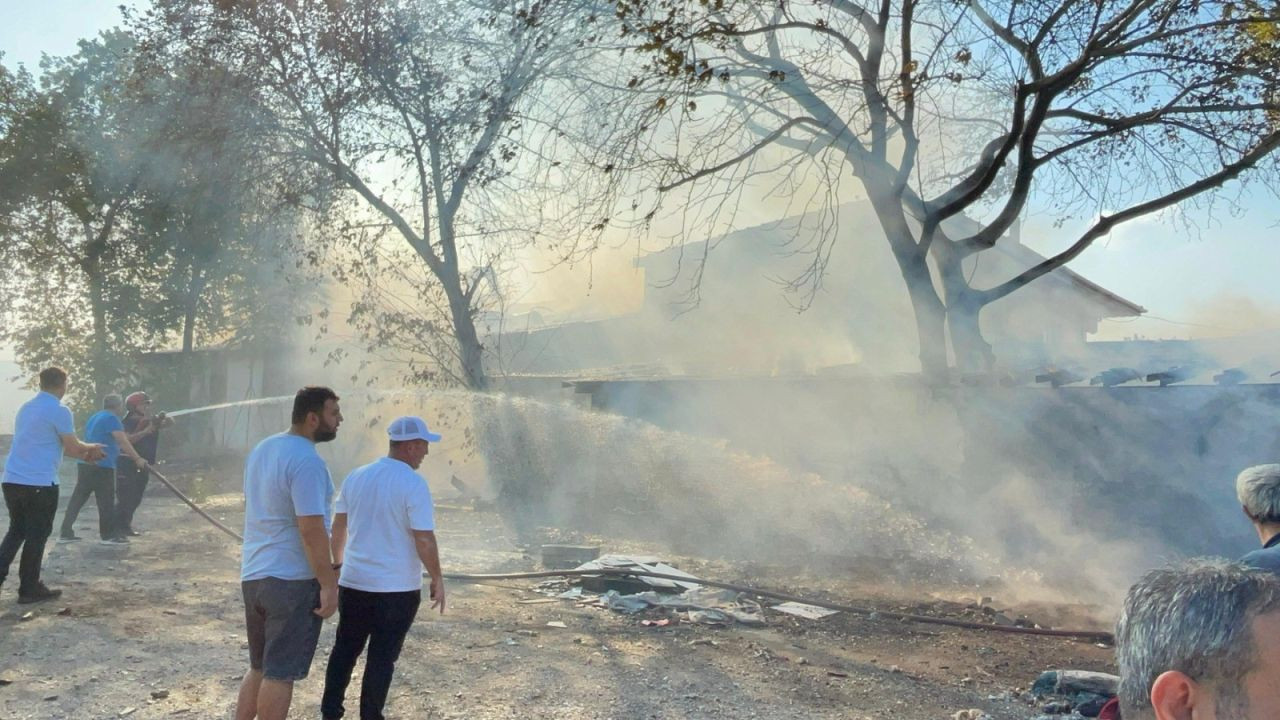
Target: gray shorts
[283,630]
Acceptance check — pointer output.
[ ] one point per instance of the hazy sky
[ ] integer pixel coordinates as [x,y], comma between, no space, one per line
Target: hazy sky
[1219,280]
[28,29]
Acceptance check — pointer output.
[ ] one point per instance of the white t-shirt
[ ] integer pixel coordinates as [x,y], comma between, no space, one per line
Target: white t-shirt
[384,501]
[284,478]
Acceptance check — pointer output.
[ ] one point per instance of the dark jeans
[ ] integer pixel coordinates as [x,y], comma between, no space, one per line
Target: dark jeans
[31,511]
[131,483]
[100,482]
[382,620]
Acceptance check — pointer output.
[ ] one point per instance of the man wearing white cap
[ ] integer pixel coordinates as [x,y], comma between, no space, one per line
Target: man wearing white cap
[383,535]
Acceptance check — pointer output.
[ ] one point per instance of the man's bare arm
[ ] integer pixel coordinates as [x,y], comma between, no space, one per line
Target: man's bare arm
[429,554]
[89,452]
[315,541]
[338,538]
[126,447]
[145,428]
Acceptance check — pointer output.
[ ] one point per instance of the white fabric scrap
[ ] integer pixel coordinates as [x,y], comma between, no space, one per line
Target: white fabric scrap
[808,612]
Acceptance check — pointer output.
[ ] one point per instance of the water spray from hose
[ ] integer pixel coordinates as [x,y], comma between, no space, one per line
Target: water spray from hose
[1091,635]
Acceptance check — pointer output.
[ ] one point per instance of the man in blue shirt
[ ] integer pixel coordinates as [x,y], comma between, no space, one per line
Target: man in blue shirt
[42,433]
[287,574]
[99,478]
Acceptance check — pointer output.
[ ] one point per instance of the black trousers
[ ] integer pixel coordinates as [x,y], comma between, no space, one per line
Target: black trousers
[101,483]
[31,511]
[131,483]
[382,620]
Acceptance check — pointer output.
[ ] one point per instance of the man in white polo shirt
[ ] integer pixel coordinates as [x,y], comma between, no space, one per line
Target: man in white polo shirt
[42,432]
[383,535]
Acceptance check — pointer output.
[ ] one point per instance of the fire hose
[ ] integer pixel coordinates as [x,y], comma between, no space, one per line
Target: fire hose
[1090,635]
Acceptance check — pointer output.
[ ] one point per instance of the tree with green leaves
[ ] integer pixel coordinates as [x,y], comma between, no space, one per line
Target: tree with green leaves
[134,215]
[1106,111]
[75,172]
[423,119]
[224,216]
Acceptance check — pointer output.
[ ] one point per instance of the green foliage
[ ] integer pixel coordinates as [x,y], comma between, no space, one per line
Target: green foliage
[73,181]
[413,120]
[133,218]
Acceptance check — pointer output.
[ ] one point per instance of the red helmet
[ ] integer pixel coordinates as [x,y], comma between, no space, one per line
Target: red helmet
[135,399]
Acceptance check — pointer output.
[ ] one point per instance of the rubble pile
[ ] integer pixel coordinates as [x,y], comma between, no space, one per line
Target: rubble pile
[1065,694]
[664,601]
[982,610]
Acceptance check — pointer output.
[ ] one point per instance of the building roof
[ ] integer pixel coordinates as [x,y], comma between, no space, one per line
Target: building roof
[1009,247]
[1024,255]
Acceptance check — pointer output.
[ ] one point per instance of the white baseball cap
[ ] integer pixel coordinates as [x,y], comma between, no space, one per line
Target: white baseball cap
[410,427]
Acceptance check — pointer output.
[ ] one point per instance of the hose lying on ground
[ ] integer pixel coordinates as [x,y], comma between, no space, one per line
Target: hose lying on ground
[191,504]
[1092,635]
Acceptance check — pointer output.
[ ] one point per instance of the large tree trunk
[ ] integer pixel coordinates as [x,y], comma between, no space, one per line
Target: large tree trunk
[99,359]
[194,291]
[930,313]
[470,351]
[973,354]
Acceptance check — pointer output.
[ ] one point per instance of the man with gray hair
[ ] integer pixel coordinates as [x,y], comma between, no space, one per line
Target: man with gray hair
[1258,489]
[99,478]
[1201,641]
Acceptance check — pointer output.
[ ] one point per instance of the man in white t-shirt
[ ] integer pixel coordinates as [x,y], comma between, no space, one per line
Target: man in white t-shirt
[383,535]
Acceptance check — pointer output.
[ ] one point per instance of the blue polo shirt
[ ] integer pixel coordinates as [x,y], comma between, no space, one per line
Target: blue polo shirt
[99,429]
[37,441]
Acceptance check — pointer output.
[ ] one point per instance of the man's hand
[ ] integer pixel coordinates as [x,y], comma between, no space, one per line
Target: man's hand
[142,464]
[328,602]
[437,594]
[94,452]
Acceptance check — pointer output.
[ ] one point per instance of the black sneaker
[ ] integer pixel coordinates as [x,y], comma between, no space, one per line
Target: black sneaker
[40,594]
[64,539]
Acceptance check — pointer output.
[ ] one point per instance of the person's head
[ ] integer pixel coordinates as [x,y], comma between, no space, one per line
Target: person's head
[138,402]
[113,403]
[1200,641]
[410,440]
[1258,489]
[316,414]
[53,380]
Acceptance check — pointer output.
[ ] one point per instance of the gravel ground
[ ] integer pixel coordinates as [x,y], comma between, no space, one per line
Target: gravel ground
[154,630]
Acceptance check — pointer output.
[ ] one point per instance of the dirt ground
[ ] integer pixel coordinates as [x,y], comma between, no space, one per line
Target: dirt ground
[155,630]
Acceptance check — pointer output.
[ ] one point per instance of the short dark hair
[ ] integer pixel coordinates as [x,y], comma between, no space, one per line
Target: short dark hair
[52,378]
[310,399]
